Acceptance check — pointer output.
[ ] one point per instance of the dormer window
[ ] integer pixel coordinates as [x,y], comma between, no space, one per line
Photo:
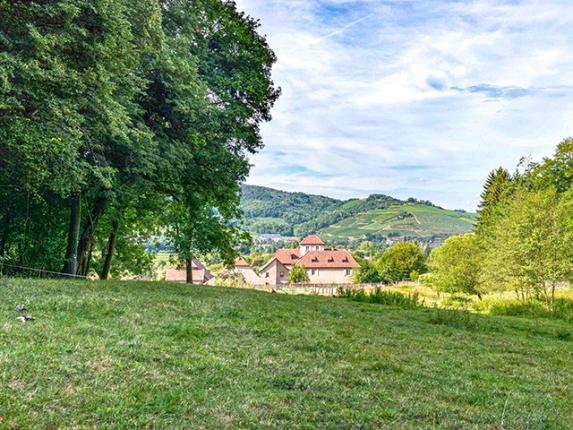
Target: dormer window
[331,260]
[345,260]
[315,259]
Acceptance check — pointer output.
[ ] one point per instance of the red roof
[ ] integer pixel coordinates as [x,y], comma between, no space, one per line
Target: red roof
[312,239]
[200,274]
[333,259]
[241,262]
[287,256]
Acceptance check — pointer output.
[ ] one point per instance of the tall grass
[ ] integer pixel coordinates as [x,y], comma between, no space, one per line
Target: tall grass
[379,296]
[562,308]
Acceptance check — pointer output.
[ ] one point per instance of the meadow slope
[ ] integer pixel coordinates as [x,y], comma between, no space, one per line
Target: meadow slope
[406,220]
[158,355]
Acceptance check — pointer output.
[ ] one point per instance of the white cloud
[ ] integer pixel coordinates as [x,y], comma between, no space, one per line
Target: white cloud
[417,98]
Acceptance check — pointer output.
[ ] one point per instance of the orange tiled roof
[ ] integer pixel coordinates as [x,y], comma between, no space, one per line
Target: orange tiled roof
[200,273]
[333,259]
[312,239]
[287,256]
[241,262]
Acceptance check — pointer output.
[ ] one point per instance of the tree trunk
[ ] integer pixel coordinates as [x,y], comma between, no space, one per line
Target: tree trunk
[553,297]
[5,233]
[88,259]
[71,259]
[189,265]
[110,250]
[87,236]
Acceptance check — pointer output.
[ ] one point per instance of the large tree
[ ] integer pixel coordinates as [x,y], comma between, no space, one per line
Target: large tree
[111,108]
[70,81]
[398,262]
[528,250]
[454,267]
[495,190]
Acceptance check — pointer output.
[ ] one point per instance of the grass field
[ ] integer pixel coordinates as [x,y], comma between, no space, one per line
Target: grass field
[421,221]
[156,355]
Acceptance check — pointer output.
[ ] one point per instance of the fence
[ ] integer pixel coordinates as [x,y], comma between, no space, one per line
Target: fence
[316,289]
[16,271]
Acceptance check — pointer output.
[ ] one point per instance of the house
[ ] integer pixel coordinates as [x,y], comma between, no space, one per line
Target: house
[201,275]
[333,266]
[274,272]
[287,257]
[243,268]
[311,243]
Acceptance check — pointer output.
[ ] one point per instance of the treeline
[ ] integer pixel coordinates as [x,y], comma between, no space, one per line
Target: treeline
[401,262]
[300,214]
[288,209]
[524,236]
[125,121]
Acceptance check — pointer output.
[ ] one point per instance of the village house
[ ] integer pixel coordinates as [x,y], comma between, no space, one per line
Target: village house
[324,266]
[201,275]
[243,268]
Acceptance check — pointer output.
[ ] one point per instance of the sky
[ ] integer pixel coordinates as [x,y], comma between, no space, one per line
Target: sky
[412,98]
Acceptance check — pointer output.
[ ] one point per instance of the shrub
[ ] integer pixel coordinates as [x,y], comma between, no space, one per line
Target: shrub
[562,309]
[298,274]
[379,296]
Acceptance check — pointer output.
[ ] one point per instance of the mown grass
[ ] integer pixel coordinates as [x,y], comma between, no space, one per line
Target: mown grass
[158,355]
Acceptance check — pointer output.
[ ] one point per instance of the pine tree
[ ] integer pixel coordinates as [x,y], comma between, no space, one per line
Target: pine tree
[495,189]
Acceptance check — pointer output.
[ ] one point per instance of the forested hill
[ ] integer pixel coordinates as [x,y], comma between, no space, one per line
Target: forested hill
[375,218]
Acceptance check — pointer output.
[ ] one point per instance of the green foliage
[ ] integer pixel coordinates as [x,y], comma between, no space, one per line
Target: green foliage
[368,250]
[367,273]
[557,171]
[298,274]
[528,249]
[496,189]
[111,108]
[399,261]
[455,266]
[562,309]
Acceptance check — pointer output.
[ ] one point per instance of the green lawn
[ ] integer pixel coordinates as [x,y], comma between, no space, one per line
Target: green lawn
[156,355]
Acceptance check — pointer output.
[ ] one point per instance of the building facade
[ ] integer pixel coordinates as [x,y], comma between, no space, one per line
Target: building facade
[324,266]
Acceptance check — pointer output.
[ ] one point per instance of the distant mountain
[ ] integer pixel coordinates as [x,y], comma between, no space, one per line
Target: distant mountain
[378,217]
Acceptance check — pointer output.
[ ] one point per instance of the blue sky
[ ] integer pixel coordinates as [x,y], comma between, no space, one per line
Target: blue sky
[412,98]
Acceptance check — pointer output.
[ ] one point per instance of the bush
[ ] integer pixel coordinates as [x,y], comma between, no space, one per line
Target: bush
[563,309]
[298,275]
[379,296]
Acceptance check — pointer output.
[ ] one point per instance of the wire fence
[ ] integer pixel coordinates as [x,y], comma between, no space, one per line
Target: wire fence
[15,271]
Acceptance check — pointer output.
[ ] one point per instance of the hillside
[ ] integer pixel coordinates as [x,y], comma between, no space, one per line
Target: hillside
[159,355]
[375,218]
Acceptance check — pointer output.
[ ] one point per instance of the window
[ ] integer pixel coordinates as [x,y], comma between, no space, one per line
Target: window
[314,272]
[282,274]
[267,275]
[348,272]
